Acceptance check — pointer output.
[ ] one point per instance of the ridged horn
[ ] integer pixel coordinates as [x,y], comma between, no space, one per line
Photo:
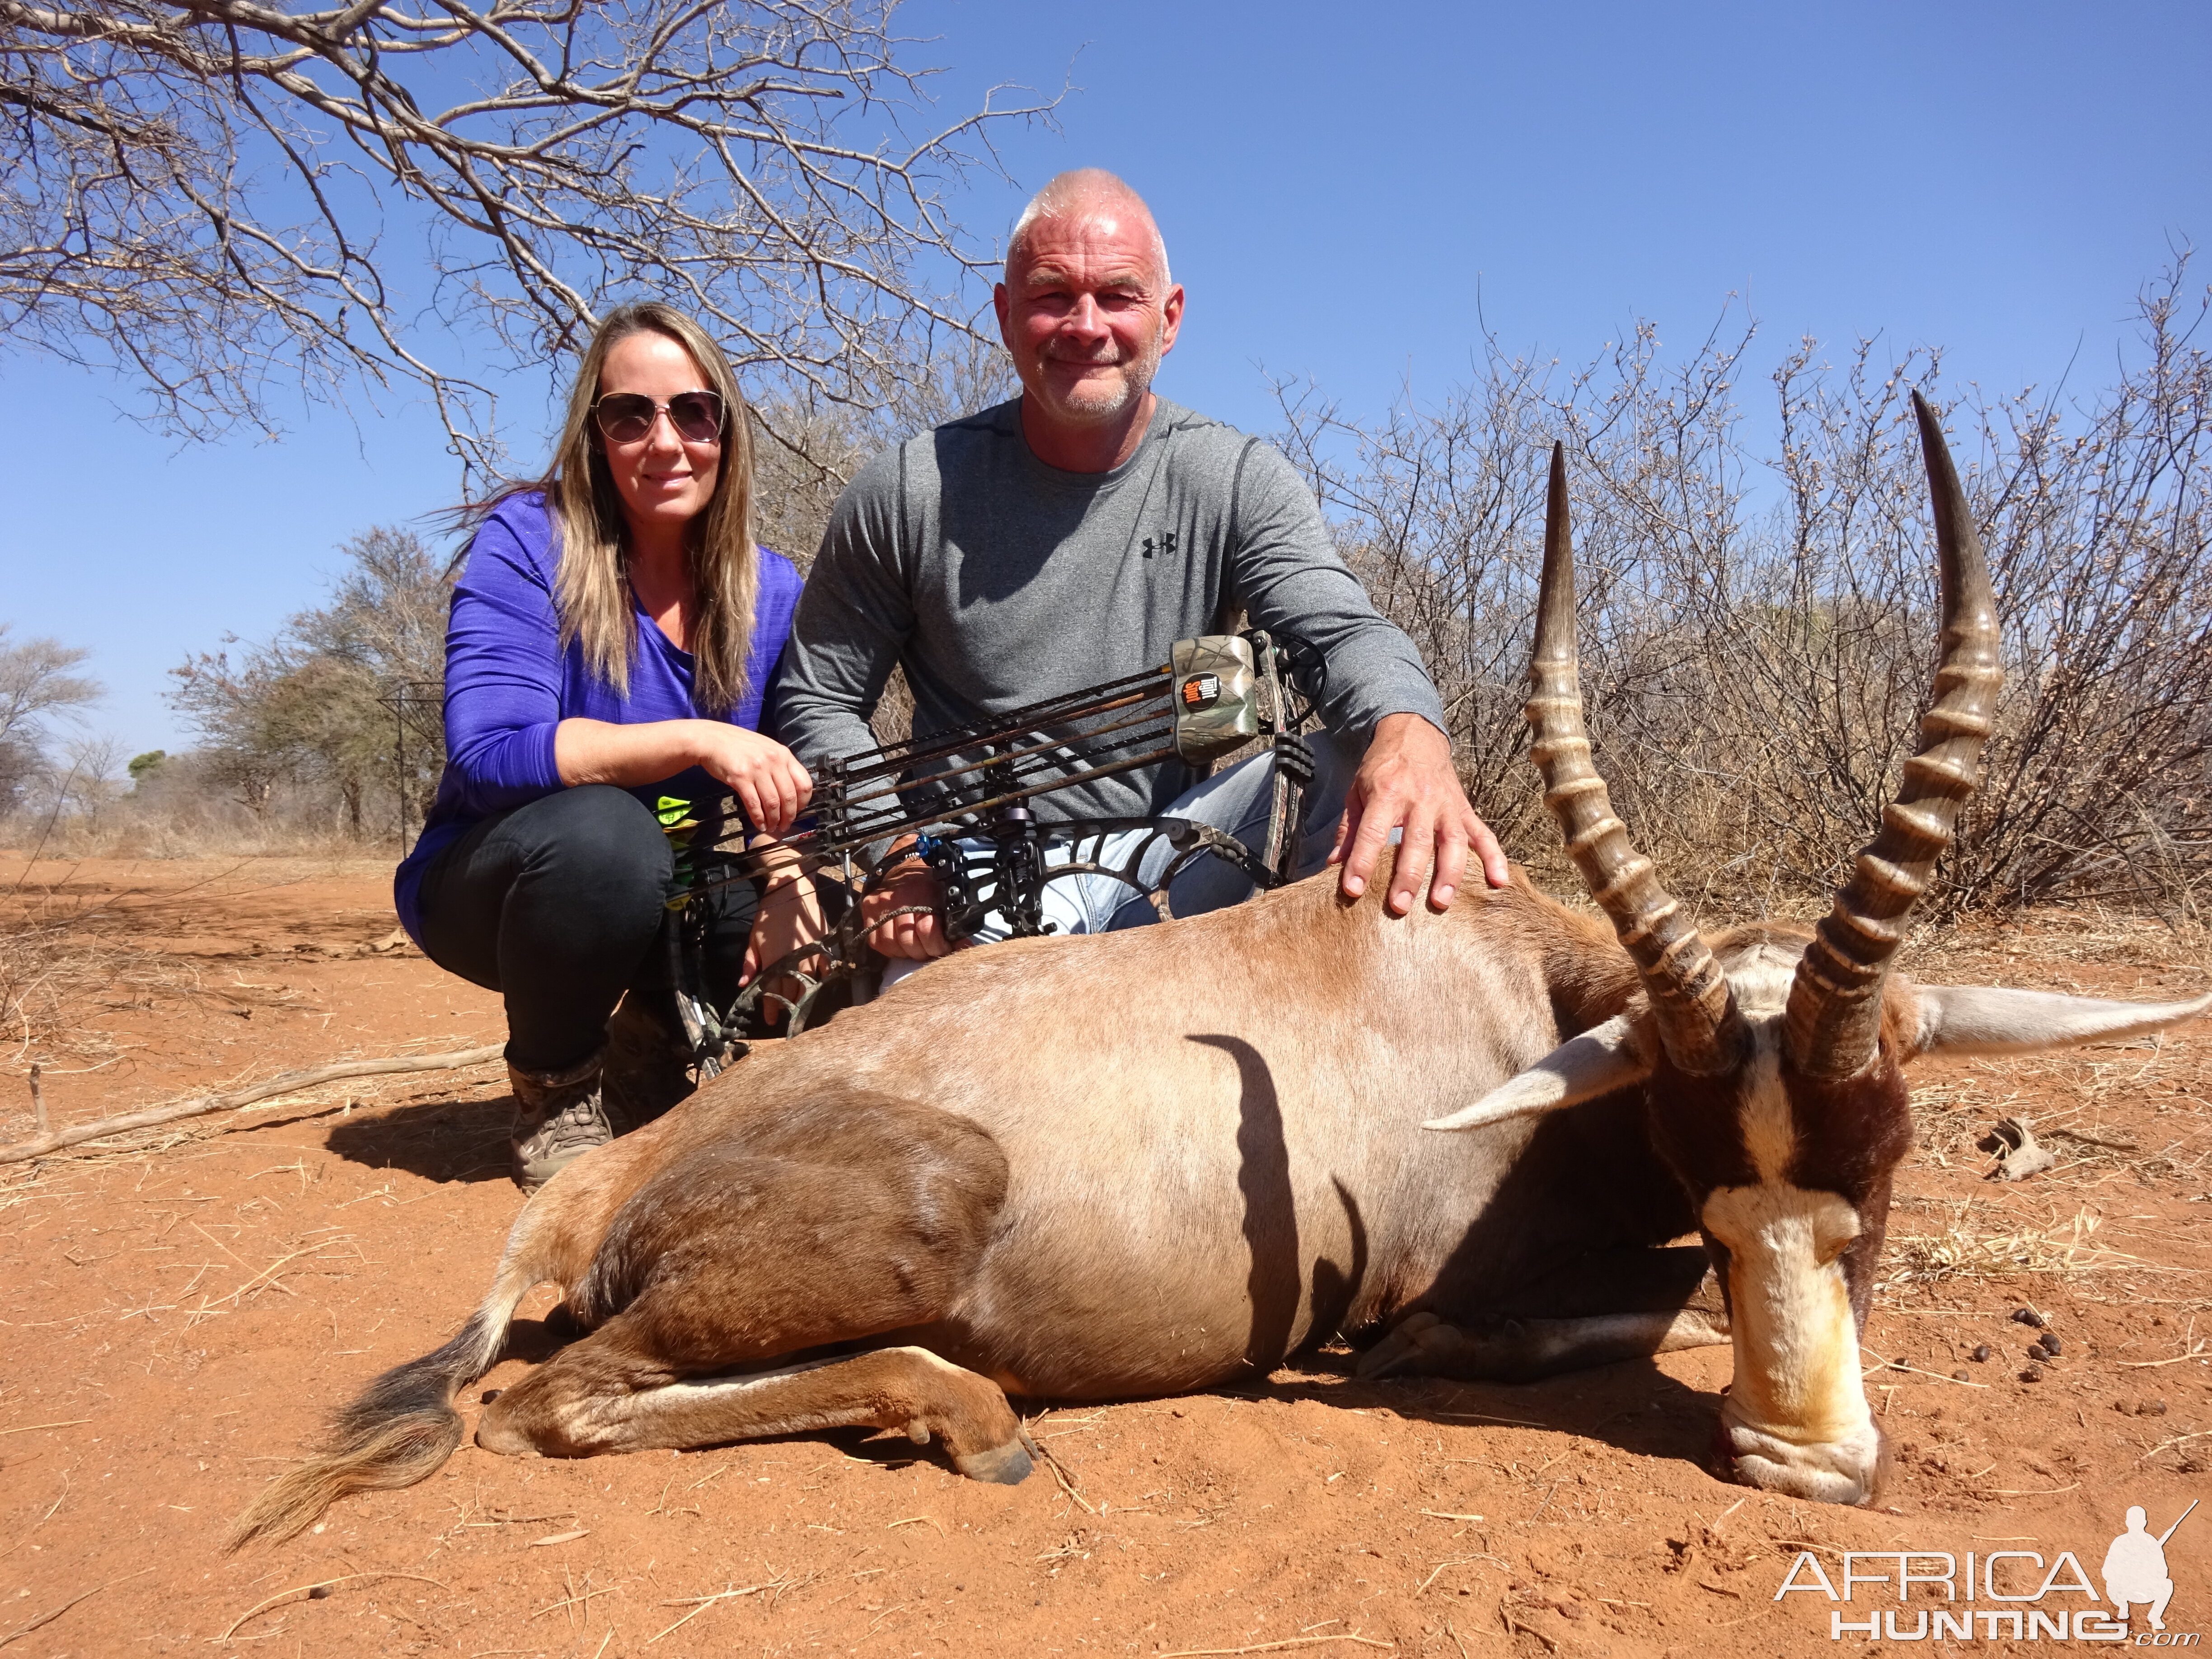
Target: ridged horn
[1690,1000]
[1834,1023]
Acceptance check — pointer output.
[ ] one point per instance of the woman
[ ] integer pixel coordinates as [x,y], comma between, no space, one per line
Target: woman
[612,638]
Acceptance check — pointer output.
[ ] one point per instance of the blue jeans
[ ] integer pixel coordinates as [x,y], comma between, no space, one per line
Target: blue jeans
[1237,801]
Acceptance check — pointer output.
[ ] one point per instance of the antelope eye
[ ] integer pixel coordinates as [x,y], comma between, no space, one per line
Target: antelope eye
[1827,1247]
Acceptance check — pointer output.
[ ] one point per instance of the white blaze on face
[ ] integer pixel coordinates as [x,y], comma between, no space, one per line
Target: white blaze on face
[1795,1417]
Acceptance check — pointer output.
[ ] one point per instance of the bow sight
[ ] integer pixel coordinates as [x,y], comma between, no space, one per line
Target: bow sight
[960,801]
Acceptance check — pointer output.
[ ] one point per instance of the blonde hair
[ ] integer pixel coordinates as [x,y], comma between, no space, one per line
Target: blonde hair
[591,591]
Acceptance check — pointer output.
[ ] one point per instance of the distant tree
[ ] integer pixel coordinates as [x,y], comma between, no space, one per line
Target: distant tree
[143,767]
[230,202]
[307,707]
[36,690]
[226,704]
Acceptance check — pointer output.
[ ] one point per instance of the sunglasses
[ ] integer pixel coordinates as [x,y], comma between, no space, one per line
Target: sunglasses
[626,417]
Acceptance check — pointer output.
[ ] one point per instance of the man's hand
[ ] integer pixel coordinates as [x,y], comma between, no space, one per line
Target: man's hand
[915,937]
[1406,782]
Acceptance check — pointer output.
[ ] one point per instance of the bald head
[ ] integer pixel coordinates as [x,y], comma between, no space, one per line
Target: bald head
[1087,312]
[1090,193]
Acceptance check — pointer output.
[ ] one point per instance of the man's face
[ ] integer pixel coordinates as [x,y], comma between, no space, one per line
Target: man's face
[1085,315]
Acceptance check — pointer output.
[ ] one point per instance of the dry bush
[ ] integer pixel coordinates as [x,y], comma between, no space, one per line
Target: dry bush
[190,806]
[60,960]
[1758,610]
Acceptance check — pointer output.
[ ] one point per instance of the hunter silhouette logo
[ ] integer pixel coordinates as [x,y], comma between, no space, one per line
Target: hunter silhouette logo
[2134,1567]
[2030,1597]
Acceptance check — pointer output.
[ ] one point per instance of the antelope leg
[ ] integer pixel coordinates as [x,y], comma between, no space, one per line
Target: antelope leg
[1595,1310]
[586,1400]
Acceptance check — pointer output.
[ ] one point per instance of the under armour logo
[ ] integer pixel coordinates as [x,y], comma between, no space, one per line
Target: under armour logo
[1167,544]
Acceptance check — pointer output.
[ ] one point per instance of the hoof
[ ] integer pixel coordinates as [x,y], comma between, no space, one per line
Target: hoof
[502,1442]
[1002,1466]
[1422,1346]
[497,1434]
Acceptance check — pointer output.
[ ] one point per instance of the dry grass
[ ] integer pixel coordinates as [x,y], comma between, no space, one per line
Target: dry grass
[74,955]
[2138,1111]
[192,829]
[56,970]
[2067,1248]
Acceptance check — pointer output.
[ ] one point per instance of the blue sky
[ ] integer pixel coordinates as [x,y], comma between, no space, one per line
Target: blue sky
[1339,187]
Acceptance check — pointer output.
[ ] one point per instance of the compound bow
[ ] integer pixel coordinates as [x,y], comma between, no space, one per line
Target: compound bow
[960,800]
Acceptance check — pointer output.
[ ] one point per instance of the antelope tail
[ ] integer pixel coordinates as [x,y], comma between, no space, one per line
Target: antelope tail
[401,1428]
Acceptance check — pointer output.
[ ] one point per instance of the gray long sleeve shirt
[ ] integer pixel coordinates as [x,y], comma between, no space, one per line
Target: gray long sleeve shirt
[996,580]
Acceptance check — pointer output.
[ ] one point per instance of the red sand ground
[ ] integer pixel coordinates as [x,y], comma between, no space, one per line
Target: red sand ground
[178,1315]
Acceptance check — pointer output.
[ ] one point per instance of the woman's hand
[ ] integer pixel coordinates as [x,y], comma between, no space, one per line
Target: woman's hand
[790,915]
[766,778]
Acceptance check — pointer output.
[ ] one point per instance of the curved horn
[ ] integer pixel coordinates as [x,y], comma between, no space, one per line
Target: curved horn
[1834,1023]
[1689,999]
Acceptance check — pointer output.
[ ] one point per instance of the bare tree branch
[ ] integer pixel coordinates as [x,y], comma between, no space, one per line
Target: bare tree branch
[231,202]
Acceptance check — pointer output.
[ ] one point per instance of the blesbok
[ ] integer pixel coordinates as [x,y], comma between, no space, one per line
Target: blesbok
[1144,1162]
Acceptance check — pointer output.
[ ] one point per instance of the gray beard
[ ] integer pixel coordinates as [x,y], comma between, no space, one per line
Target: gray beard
[1095,409]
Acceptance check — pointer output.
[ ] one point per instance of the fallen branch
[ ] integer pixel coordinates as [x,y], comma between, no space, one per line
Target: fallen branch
[324,1586]
[45,1619]
[2092,1140]
[39,1146]
[1277,1647]
[2196,1352]
[1060,1475]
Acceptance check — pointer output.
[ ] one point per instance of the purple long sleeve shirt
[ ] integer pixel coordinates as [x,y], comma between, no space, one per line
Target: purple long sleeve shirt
[508,684]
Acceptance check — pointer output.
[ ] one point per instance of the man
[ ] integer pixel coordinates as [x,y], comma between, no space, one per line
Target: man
[1071,535]
[2135,1569]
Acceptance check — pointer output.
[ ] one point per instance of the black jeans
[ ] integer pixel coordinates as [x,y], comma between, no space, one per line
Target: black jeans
[558,906]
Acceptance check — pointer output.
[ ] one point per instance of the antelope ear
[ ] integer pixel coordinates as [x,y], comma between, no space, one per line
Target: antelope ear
[1976,1019]
[1603,1059]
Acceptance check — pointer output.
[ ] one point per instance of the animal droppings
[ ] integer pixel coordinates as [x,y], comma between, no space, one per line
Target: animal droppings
[1980,1354]
[318,1593]
[1958,1376]
[2028,1317]
[2051,1343]
[2032,1374]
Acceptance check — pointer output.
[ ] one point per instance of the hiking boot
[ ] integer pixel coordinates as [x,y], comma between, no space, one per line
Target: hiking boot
[648,1063]
[558,1117]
